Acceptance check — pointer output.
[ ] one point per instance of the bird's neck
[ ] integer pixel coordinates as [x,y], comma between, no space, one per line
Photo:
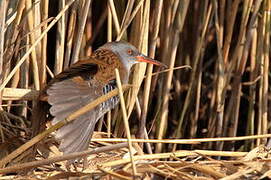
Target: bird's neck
[106,69]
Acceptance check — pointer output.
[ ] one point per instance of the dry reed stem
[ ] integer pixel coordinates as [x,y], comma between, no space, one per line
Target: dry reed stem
[36,28]
[172,51]
[9,21]
[114,15]
[127,12]
[207,170]
[259,57]
[241,59]
[109,39]
[120,34]
[185,141]
[182,153]
[238,174]
[30,20]
[180,11]
[230,24]
[13,34]
[44,15]
[2,39]
[125,120]
[220,79]
[253,76]
[19,94]
[147,85]
[266,59]
[37,21]
[140,69]
[114,174]
[199,45]
[176,172]
[219,111]
[109,23]
[235,98]
[142,38]
[79,35]
[166,174]
[70,34]
[87,44]
[60,41]
[108,122]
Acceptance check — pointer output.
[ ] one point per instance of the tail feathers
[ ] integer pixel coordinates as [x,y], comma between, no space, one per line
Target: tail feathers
[38,120]
[38,123]
[39,117]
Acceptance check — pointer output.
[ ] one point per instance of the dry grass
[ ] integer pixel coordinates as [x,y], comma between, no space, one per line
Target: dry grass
[216,112]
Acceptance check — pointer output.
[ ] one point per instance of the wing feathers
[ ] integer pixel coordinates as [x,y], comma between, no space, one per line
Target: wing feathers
[66,97]
[78,139]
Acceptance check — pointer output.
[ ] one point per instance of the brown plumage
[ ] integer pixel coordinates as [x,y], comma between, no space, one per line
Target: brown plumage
[82,83]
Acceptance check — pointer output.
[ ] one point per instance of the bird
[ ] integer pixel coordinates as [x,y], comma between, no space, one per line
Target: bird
[80,84]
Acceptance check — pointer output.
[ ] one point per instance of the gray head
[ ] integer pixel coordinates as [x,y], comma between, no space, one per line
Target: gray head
[128,54]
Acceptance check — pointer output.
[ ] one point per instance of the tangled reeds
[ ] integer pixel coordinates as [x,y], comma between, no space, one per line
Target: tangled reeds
[205,117]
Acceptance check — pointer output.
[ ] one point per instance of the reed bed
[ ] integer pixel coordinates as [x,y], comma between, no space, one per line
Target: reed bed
[205,117]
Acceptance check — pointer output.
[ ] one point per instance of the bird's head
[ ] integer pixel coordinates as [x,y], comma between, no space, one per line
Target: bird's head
[128,54]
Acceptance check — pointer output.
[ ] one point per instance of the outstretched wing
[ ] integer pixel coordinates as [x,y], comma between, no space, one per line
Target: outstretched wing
[66,97]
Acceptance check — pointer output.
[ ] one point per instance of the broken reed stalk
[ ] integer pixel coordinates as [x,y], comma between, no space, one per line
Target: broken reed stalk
[19,94]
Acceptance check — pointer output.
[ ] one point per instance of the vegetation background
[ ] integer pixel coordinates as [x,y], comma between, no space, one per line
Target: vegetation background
[223,90]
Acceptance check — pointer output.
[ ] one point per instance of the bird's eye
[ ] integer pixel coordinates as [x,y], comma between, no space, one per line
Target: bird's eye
[130,51]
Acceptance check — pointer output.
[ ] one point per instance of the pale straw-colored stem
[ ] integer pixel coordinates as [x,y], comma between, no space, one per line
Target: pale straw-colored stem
[30,20]
[80,32]
[125,119]
[114,15]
